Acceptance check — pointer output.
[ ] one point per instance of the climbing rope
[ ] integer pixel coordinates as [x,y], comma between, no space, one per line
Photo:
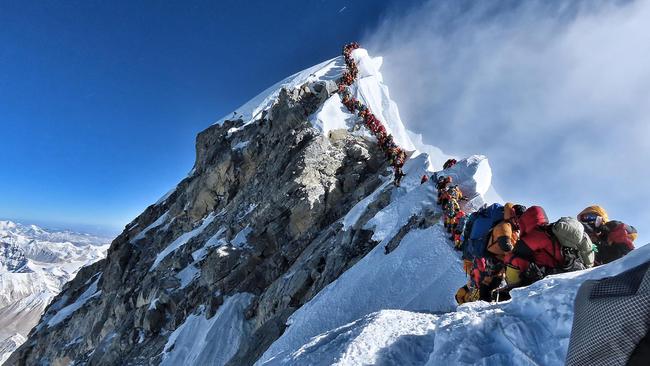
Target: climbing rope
[395,155]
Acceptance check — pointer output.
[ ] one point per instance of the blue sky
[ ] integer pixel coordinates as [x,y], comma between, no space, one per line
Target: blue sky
[100,101]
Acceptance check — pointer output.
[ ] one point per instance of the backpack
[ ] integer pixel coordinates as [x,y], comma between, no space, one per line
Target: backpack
[570,233]
[462,224]
[478,229]
[620,233]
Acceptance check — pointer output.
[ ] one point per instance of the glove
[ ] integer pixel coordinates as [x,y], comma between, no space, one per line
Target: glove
[534,273]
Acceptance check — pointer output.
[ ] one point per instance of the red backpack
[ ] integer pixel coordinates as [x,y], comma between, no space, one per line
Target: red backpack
[536,243]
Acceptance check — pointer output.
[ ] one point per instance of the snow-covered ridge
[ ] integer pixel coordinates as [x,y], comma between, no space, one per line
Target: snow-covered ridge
[253,109]
[399,308]
[34,264]
[369,88]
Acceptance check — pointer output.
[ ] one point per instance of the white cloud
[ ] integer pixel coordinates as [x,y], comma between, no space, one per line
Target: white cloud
[557,94]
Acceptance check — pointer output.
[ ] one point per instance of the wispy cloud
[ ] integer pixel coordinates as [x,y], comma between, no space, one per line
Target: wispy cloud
[557,94]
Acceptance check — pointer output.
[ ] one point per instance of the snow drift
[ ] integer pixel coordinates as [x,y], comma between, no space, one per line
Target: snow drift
[531,329]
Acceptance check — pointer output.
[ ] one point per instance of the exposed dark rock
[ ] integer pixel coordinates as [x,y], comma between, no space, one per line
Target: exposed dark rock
[12,258]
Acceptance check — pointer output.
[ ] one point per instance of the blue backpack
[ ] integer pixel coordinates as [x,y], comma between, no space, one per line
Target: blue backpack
[478,228]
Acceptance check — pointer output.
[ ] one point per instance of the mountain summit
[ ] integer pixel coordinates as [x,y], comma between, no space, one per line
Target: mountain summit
[271,250]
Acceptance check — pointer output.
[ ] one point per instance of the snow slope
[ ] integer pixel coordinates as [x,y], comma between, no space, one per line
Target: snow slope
[531,329]
[48,260]
[213,341]
[419,275]
[254,108]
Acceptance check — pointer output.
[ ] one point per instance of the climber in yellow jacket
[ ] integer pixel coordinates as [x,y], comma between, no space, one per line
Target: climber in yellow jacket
[506,233]
[613,239]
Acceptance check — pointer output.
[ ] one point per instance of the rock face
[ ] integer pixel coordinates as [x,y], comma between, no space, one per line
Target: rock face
[257,215]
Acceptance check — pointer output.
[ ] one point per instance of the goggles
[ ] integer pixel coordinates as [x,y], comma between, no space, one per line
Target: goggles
[591,218]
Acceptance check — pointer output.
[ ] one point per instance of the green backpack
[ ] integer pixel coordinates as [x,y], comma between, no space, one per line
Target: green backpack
[571,234]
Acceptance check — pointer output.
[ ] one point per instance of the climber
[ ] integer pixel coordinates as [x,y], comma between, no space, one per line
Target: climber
[443,198]
[451,191]
[449,163]
[505,234]
[400,159]
[451,196]
[467,293]
[425,178]
[457,228]
[536,253]
[399,174]
[562,246]
[441,185]
[487,272]
[451,209]
[613,239]
[486,275]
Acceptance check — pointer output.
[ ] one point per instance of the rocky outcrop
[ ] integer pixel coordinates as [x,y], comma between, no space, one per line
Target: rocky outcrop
[257,214]
[12,258]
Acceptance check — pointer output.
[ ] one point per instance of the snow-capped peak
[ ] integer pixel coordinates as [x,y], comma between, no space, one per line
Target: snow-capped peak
[253,110]
[369,88]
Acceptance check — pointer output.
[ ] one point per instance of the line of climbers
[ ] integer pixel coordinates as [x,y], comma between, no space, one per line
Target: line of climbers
[508,246]
[395,155]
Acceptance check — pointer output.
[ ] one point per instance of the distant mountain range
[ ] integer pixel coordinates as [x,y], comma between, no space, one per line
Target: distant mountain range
[35,263]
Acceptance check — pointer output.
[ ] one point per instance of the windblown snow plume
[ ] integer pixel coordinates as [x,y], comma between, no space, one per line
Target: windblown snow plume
[555,93]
